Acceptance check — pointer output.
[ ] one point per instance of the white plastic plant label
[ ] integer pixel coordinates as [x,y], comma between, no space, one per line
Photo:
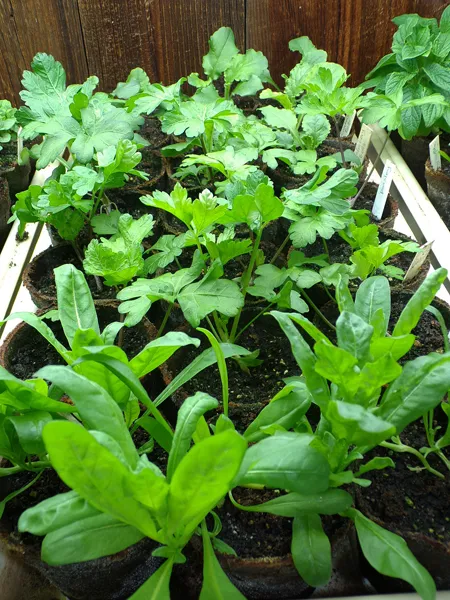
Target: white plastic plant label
[418,261]
[363,142]
[435,157]
[348,124]
[383,190]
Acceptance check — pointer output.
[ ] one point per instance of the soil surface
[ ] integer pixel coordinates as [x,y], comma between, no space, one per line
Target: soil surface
[42,277]
[152,132]
[406,499]
[261,383]
[28,351]
[251,534]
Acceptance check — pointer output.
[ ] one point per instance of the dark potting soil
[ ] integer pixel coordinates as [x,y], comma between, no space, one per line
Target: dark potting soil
[5,211]
[8,157]
[407,498]
[260,383]
[152,132]
[152,165]
[43,278]
[251,534]
[31,352]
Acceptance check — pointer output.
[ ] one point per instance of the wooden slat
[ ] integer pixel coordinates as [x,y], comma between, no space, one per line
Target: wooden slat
[420,215]
[167,38]
[182,30]
[355,33]
[33,26]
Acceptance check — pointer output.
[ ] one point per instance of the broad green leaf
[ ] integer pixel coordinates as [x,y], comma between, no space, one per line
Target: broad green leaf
[157,585]
[126,375]
[420,300]
[397,346]
[286,461]
[222,48]
[28,428]
[192,409]
[389,555]
[202,478]
[216,585]
[375,464]
[357,425]
[95,474]
[88,539]
[54,513]
[280,118]
[25,395]
[421,386]
[306,360]
[373,293]
[311,550]
[158,351]
[201,298]
[284,410]
[95,406]
[354,335]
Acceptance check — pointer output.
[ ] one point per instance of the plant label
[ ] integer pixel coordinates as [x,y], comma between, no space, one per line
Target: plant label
[363,142]
[418,261]
[348,124]
[383,190]
[435,157]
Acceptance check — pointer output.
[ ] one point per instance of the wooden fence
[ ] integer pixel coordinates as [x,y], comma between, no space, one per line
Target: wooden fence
[168,37]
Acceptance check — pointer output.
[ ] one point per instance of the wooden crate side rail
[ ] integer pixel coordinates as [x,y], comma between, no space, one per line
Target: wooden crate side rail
[419,213]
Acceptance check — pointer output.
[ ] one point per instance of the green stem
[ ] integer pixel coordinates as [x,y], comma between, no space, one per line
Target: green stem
[316,309]
[246,282]
[222,332]
[280,249]
[329,294]
[428,424]
[252,321]
[164,321]
[341,148]
[39,464]
[408,449]
[325,245]
[213,329]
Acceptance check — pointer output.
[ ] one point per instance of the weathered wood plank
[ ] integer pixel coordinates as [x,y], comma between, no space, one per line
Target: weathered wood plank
[182,30]
[167,38]
[32,26]
[355,33]
[420,215]
[118,36]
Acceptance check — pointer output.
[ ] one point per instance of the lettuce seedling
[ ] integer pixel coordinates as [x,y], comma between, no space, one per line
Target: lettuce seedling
[119,259]
[416,70]
[70,117]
